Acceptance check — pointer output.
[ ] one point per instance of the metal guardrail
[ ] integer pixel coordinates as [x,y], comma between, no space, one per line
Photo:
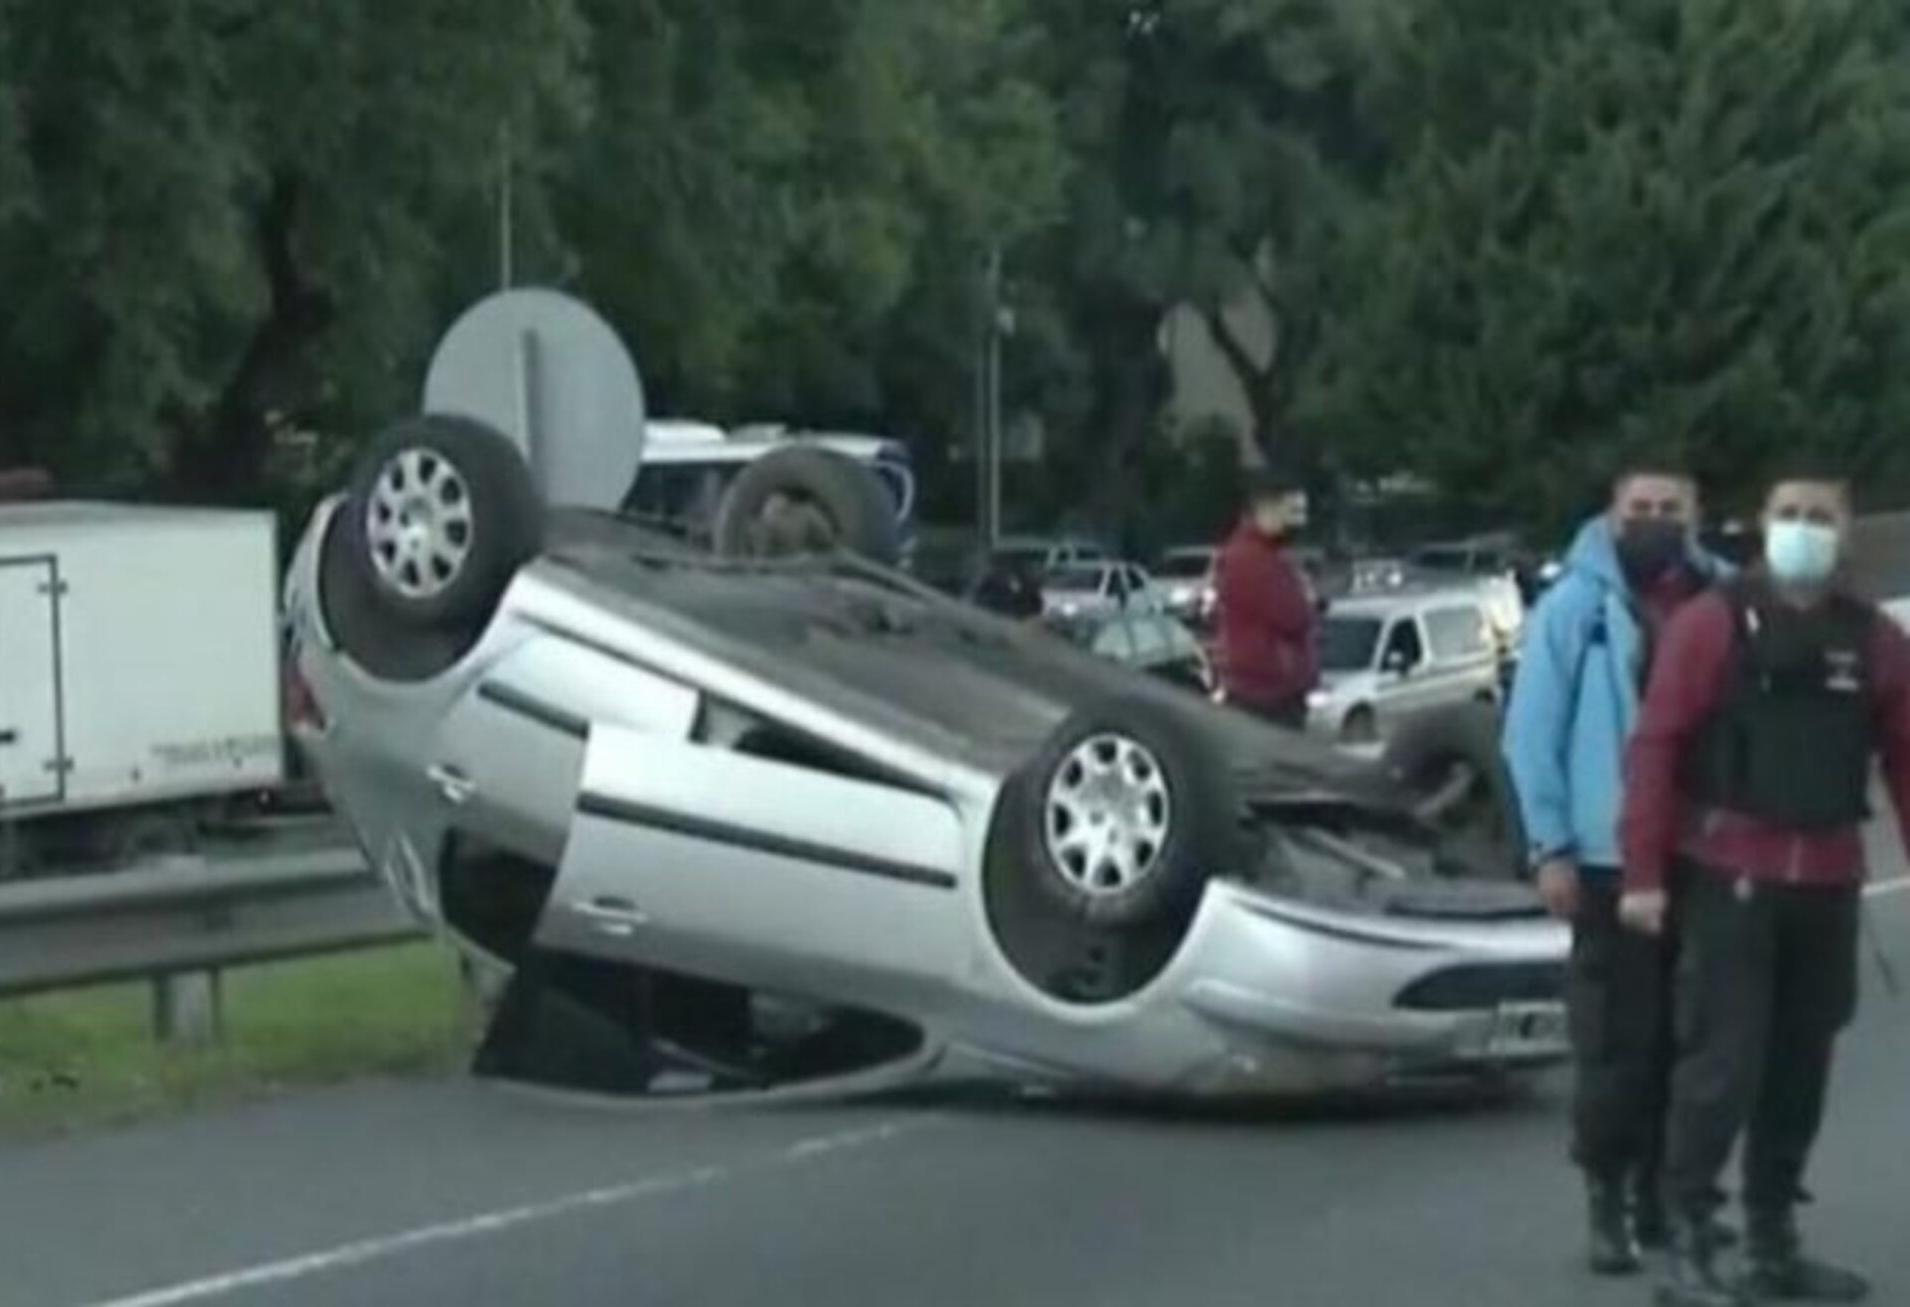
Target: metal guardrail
[185,917]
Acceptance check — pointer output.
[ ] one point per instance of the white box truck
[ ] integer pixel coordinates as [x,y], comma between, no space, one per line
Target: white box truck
[139,674]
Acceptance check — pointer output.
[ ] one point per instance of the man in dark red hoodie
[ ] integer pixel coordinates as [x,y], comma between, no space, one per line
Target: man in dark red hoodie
[1746,790]
[1269,649]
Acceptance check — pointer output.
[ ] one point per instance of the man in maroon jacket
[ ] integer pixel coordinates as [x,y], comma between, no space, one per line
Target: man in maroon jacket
[1269,653]
[1745,795]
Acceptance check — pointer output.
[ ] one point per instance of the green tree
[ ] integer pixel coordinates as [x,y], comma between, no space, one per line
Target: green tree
[1679,225]
[1208,138]
[234,214]
[781,200]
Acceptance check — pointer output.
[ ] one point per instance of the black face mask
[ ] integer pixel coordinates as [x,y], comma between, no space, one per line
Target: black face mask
[1648,547]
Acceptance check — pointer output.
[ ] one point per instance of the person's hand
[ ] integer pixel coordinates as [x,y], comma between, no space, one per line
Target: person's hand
[1558,886]
[1643,911]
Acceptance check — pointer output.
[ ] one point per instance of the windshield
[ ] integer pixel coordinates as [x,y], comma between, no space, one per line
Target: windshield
[1444,559]
[1184,566]
[1347,643]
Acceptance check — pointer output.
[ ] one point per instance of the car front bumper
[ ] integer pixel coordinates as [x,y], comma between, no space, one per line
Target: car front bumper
[1300,994]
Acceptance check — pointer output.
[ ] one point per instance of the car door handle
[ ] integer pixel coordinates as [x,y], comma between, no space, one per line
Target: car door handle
[454,785]
[611,914]
[9,736]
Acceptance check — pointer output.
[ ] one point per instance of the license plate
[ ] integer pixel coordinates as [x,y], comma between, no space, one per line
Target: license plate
[1527,1030]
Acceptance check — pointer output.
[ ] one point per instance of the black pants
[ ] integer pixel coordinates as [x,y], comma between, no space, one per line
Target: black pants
[1618,993]
[1766,979]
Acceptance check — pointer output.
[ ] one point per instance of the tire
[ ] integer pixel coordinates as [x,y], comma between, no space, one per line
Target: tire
[1174,821]
[1448,764]
[442,512]
[1360,727]
[806,499]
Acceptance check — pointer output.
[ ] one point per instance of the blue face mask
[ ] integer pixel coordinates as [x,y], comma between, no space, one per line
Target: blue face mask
[1801,553]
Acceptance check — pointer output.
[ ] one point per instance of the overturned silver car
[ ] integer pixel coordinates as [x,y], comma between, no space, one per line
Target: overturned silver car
[779,814]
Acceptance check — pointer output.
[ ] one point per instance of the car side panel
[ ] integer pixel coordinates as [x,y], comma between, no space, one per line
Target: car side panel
[511,750]
[757,871]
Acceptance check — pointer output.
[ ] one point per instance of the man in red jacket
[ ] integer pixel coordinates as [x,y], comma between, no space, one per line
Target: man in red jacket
[1746,791]
[1269,653]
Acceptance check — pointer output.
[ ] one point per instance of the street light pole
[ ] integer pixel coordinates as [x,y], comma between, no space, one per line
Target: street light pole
[505,235]
[988,439]
[995,330]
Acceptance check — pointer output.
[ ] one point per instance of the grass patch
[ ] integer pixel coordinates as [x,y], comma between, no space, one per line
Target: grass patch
[88,1057]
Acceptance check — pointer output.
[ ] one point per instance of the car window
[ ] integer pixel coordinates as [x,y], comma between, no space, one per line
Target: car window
[1403,644]
[1347,644]
[1077,578]
[1136,579]
[1457,633]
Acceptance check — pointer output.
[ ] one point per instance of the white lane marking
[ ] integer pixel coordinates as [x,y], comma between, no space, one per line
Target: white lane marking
[1883,887]
[362,1251]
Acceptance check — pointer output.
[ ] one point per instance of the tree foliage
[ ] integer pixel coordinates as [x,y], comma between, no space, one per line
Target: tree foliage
[1496,240]
[1617,224]
[229,216]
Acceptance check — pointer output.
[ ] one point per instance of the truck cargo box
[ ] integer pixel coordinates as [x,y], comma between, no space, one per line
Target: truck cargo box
[138,656]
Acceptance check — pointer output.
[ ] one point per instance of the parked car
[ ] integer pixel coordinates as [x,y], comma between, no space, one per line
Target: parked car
[1387,658]
[1186,578]
[1155,643]
[1044,554]
[1096,589]
[785,818]
[1493,563]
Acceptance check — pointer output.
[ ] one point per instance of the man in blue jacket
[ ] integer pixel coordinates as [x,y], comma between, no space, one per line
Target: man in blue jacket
[1574,702]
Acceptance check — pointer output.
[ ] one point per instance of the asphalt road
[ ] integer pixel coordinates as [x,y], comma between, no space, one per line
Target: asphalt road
[435,1194]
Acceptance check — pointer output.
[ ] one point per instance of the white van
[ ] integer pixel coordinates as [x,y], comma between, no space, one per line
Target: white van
[1385,658]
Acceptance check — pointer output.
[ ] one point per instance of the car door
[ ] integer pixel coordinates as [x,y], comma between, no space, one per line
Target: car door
[757,871]
[1471,660]
[1141,592]
[1453,633]
[1402,669]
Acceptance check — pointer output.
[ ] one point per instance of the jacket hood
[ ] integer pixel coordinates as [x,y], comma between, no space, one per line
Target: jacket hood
[1594,553]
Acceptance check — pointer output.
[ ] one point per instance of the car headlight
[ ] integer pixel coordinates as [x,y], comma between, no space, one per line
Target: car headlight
[1318,699]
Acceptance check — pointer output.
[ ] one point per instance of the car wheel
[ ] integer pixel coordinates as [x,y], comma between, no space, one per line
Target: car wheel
[442,512]
[1449,766]
[806,500]
[1360,727]
[1128,813]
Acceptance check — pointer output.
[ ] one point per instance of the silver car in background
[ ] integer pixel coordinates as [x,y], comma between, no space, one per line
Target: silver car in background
[1099,590]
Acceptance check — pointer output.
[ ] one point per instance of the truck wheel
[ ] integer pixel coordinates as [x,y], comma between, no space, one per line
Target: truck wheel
[1125,814]
[1449,766]
[442,512]
[806,499]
